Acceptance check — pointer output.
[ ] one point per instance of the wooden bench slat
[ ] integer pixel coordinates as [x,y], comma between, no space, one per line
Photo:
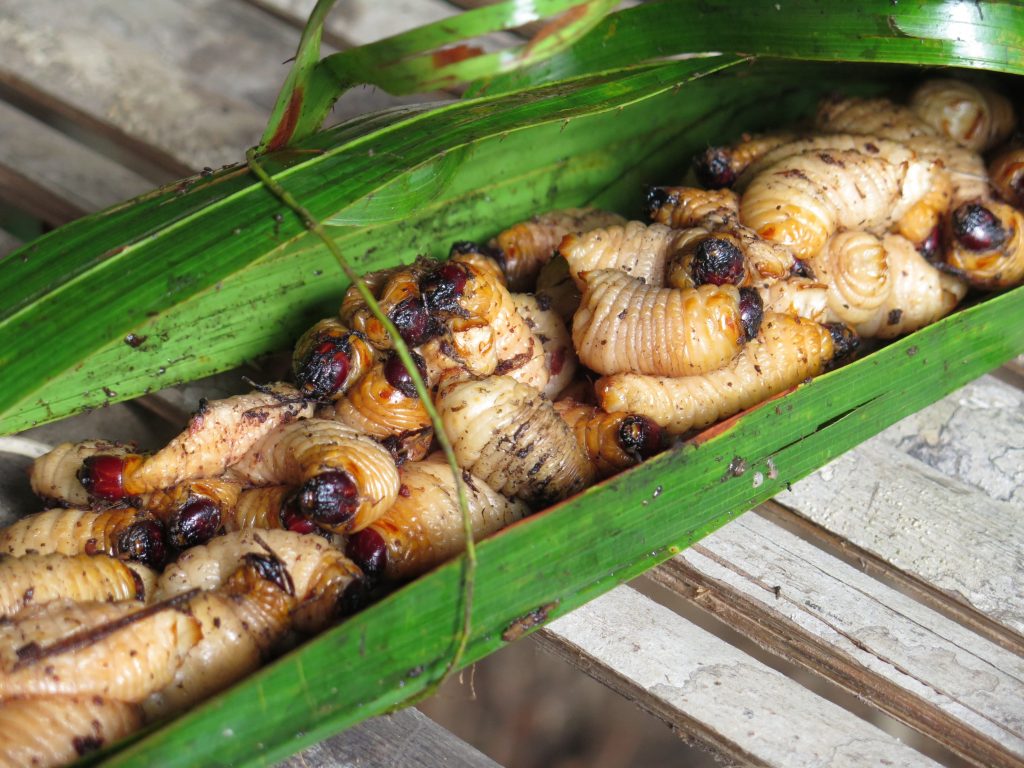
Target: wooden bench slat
[728,700]
[65,178]
[406,738]
[882,498]
[924,669]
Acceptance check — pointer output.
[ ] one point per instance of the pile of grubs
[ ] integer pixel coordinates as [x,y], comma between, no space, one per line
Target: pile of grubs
[156,579]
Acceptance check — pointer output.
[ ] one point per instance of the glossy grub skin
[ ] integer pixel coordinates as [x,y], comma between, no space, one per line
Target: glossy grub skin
[635,248]
[871,116]
[719,167]
[105,649]
[526,246]
[319,572]
[814,189]
[124,533]
[49,731]
[854,266]
[612,441]
[510,436]
[787,350]
[424,526]
[384,403]
[306,452]
[625,326]
[471,299]
[715,215]
[557,289]
[398,295]
[242,621]
[329,359]
[973,116]
[1006,171]
[559,355]
[985,244]
[268,507]
[36,579]
[192,512]
[54,475]
[217,436]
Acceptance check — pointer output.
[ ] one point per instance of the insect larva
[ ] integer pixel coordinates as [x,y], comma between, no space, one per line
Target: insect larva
[718,167]
[384,403]
[787,350]
[806,197]
[270,507]
[346,479]
[986,244]
[854,266]
[637,249]
[218,435]
[613,441]
[103,649]
[424,526]
[36,579]
[525,247]
[191,512]
[559,355]
[557,288]
[241,622]
[715,214]
[883,119]
[398,296]
[973,116]
[507,434]
[919,293]
[468,297]
[320,574]
[625,326]
[329,359]
[801,296]
[1006,172]
[922,222]
[687,207]
[55,474]
[44,731]
[123,533]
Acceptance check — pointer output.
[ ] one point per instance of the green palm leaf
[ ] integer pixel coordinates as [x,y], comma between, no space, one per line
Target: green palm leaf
[214,270]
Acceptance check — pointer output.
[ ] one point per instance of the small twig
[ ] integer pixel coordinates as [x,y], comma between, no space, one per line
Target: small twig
[469,564]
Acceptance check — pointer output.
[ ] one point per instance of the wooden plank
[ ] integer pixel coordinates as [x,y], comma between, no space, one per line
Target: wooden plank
[55,179]
[953,523]
[697,682]
[407,738]
[187,83]
[919,666]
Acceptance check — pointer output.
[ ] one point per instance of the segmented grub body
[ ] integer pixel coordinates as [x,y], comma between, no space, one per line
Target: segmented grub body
[557,287]
[104,649]
[509,435]
[625,326]
[383,403]
[639,250]
[43,731]
[787,350]
[854,266]
[347,479]
[973,116]
[123,533]
[612,441]
[549,328]
[526,246]
[54,475]
[329,358]
[815,189]
[986,244]
[37,579]
[192,512]
[398,295]
[424,526]
[688,207]
[1006,171]
[219,434]
[720,166]
[260,508]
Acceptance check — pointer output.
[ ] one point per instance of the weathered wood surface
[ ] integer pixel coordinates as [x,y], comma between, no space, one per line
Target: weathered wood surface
[693,680]
[800,602]
[938,497]
[54,178]
[406,739]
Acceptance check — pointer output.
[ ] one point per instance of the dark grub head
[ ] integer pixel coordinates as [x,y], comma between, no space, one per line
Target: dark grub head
[716,261]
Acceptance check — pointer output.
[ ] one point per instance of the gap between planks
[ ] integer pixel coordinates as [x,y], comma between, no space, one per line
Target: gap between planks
[802,604]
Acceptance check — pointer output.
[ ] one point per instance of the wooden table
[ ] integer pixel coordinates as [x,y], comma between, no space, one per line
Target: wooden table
[895,573]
